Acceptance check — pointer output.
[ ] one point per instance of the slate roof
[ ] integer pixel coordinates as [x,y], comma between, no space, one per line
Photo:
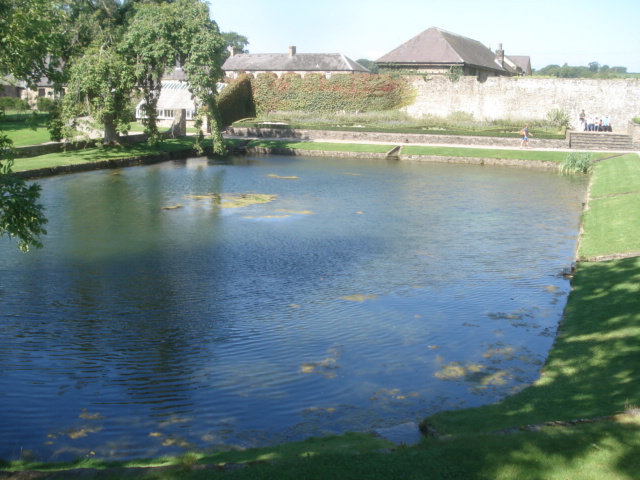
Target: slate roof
[298,62]
[522,61]
[440,47]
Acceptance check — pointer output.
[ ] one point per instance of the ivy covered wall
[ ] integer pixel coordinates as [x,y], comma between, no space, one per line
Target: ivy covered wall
[313,93]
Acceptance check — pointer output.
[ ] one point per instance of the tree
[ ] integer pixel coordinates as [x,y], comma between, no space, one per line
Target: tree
[369,65]
[32,40]
[233,39]
[594,66]
[100,85]
[161,34]
[21,216]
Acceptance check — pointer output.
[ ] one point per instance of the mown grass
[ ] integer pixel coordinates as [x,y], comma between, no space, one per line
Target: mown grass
[610,222]
[16,129]
[616,176]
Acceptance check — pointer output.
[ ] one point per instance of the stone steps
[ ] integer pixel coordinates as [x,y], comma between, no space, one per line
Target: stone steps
[600,141]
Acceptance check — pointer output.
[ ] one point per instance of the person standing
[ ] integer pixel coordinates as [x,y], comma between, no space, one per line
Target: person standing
[524,133]
[583,120]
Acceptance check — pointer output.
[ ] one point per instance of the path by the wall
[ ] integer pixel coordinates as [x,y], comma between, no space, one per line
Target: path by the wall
[528,98]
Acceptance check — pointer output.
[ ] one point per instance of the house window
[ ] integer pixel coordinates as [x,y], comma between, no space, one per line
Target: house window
[41,92]
[327,74]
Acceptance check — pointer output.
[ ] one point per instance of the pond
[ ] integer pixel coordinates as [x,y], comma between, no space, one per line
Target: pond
[249,301]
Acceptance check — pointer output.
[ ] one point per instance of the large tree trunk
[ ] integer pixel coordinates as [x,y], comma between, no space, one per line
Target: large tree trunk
[110,132]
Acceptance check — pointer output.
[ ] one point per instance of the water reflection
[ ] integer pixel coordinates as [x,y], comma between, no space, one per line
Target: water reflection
[361,294]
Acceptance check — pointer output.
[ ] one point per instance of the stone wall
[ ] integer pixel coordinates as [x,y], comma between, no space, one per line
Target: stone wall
[528,98]
[392,138]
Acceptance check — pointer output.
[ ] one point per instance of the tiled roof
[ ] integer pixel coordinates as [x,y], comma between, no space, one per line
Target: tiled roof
[298,62]
[439,47]
[522,61]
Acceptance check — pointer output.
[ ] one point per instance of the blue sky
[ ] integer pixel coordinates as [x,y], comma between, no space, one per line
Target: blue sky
[549,31]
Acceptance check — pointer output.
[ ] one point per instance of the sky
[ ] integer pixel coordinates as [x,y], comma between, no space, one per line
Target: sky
[576,32]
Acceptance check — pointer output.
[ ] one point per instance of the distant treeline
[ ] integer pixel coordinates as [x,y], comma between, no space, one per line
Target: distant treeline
[593,70]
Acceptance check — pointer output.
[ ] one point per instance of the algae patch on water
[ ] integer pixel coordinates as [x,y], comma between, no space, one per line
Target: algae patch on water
[359,297]
[272,175]
[233,200]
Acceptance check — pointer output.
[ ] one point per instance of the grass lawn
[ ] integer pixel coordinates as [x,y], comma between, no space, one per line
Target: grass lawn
[609,228]
[22,135]
[616,175]
[611,223]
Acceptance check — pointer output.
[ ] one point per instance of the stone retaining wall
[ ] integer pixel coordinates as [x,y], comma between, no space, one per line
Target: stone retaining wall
[415,158]
[391,138]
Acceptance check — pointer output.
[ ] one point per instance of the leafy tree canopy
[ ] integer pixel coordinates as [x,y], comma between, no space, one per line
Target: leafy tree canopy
[233,39]
[369,65]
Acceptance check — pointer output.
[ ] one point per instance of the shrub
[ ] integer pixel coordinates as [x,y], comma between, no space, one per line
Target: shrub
[577,162]
[559,118]
[236,101]
[12,103]
[44,104]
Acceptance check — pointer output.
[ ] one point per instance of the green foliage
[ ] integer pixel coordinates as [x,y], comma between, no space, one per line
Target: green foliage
[12,103]
[44,104]
[233,39]
[636,120]
[317,94]
[31,38]
[577,162]
[559,117]
[454,74]
[158,35]
[594,70]
[235,101]
[100,85]
[369,65]
[21,216]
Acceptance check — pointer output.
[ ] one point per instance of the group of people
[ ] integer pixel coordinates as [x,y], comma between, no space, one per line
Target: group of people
[594,124]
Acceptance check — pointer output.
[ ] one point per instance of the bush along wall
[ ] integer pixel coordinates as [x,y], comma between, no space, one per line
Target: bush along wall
[314,93]
[235,101]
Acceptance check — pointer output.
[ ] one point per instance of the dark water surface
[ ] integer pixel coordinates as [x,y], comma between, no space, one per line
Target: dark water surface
[366,294]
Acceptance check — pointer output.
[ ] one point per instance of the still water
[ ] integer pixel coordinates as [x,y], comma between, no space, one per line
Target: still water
[161,315]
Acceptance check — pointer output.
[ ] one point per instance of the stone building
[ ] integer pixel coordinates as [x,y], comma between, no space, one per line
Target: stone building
[436,51]
[301,63]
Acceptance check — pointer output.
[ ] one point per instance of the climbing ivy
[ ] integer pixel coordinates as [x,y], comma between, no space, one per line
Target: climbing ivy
[314,93]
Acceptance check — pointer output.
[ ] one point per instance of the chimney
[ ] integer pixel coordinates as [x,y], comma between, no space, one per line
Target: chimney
[292,51]
[500,55]
[233,51]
